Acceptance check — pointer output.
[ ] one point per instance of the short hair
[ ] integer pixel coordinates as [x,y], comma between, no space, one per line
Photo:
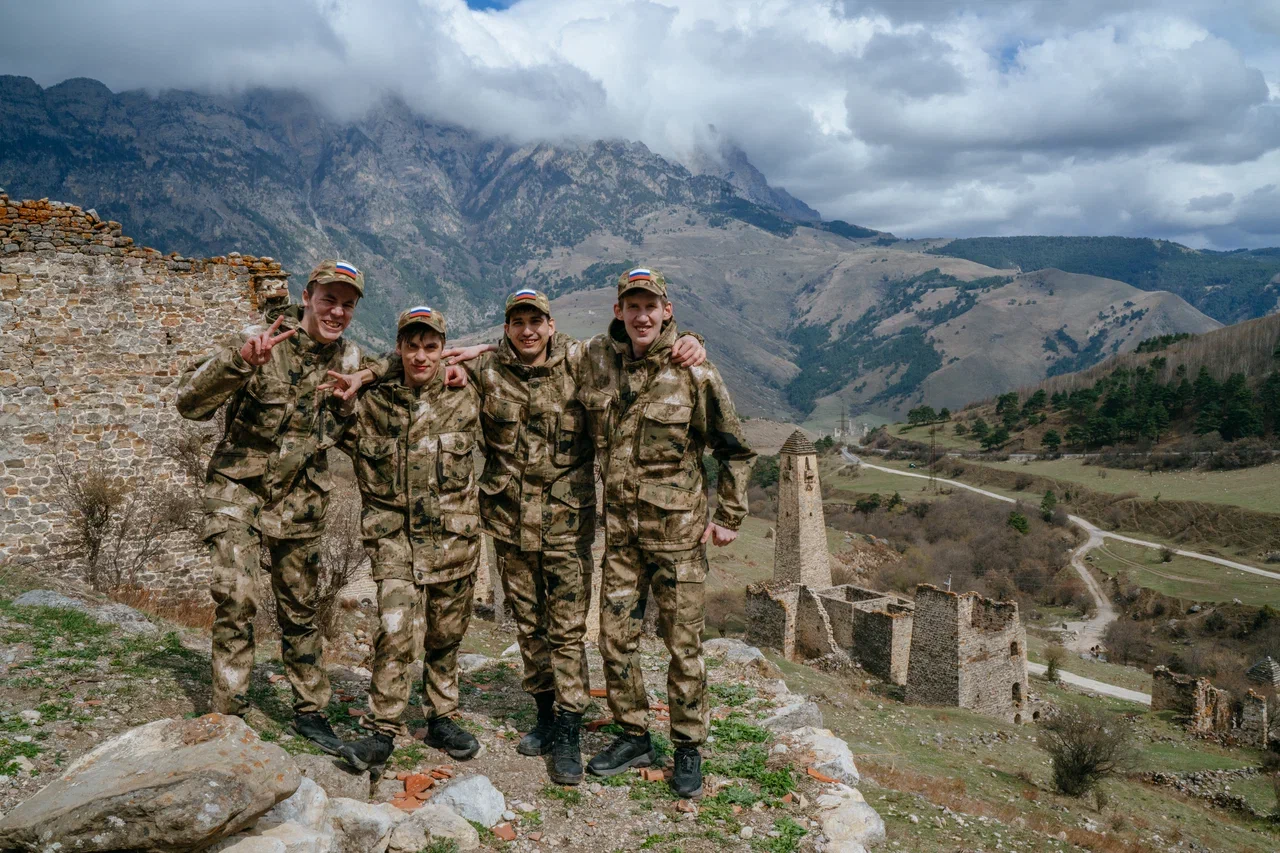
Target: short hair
[417,330]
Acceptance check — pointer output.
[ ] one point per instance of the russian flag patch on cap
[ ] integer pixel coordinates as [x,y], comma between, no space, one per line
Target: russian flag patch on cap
[349,270]
[526,294]
[422,311]
[639,275]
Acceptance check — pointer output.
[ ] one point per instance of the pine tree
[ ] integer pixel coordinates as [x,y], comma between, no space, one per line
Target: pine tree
[1048,504]
[1051,441]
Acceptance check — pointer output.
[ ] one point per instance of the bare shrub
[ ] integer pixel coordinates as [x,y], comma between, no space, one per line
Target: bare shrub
[192,446]
[1085,746]
[1124,640]
[341,554]
[116,527]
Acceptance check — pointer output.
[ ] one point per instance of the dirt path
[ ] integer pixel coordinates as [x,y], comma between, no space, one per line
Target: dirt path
[1100,687]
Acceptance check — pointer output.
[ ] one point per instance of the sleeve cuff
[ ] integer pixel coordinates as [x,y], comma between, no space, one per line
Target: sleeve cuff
[728,524]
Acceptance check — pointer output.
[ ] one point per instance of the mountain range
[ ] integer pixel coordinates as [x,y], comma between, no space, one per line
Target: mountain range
[803,316]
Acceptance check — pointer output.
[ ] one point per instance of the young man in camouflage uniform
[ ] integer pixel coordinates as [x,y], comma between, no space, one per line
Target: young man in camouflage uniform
[268,484]
[651,424]
[412,444]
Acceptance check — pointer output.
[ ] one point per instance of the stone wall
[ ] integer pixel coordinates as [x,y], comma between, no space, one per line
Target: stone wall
[883,641]
[1204,708]
[1254,729]
[94,332]
[771,617]
[969,651]
[814,637]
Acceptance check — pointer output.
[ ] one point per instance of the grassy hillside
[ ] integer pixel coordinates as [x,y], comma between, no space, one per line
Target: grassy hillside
[1228,286]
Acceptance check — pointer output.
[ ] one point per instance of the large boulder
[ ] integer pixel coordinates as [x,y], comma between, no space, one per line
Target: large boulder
[432,821]
[848,822]
[129,620]
[308,807]
[50,598]
[474,798]
[168,786]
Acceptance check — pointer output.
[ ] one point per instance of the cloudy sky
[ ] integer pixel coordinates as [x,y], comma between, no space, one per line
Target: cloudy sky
[922,117]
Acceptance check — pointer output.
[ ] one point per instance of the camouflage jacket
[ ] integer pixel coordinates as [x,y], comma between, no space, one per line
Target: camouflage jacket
[412,450]
[651,422]
[270,469]
[538,488]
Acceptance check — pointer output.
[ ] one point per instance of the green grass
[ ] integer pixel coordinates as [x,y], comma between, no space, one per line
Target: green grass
[788,839]
[568,796]
[1249,488]
[849,485]
[733,731]
[1183,577]
[1128,677]
[944,439]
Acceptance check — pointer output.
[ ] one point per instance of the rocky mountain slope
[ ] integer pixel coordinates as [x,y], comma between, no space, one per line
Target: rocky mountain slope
[802,316]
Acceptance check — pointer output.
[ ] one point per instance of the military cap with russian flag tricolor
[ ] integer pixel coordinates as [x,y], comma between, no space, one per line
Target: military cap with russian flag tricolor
[421,315]
[532,298]
[339,272]
[642,278]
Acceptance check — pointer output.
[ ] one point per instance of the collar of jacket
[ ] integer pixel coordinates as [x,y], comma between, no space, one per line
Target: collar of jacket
[557,348]
[302,342]
[661,346]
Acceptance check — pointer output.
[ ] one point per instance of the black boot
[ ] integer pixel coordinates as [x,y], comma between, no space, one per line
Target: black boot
[444,733]
[625,752]
[566,750]
[315,728]
[686,778]
[369,752]
[538,740]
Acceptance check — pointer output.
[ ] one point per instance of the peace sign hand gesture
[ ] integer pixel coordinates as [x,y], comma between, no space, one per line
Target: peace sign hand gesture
[257,350]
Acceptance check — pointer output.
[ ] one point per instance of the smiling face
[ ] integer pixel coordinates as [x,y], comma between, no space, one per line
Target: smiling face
[529,330]
[642,313]
[327,309]
[419,349]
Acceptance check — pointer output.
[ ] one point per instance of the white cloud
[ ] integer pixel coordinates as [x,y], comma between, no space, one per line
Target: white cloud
[926,118]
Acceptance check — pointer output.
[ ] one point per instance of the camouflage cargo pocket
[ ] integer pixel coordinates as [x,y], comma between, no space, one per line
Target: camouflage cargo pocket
[664,433]
[499,508]
[266,408]
[571,437]
[376,464]
[500,420]
[570,498]
[667,513]
[456,465]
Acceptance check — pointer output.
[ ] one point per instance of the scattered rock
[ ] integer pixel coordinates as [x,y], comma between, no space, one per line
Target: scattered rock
[849,824]
[335,776]
[31,717]
[50,598]
[473,663]
[432,821]
[832,756]
[361,827]
[168,785]
[511,650]
[797,715]
[249,844]
[732,650]
[474,798]
[126,618]
[297,838]
[386,788]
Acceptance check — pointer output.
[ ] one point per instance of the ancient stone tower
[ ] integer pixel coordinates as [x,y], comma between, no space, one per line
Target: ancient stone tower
[800,550]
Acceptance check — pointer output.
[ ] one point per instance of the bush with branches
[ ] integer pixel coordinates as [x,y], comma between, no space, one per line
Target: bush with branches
[1085,746]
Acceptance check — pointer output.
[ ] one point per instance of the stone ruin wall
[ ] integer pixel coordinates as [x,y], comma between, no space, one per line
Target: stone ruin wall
[933,671]
[771,617]
[967,651]
[884,641]
[94,332]
[1208,710]
[993,657]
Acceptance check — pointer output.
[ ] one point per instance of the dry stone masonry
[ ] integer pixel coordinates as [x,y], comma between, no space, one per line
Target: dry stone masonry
[948,649]
[94,331]
[1209,711]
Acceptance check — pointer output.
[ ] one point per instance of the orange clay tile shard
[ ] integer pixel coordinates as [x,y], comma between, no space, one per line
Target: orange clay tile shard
[820,776]
[405,804]
[504,831]
[651,774]
[597,725]
[598,693]
[418,784]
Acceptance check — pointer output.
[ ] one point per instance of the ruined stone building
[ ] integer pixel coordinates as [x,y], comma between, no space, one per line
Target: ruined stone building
[968,651]
[94,334]
[1211,711]
[1265,672]
[948,649]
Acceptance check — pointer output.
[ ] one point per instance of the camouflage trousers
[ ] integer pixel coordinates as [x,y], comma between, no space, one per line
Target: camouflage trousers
[295,571]
[431,618]
[549,592]
[677,579]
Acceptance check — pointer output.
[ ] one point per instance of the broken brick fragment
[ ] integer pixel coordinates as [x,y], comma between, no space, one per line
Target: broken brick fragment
[504,831]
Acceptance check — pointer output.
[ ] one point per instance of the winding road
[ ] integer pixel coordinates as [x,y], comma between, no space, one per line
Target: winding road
[1087,633]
